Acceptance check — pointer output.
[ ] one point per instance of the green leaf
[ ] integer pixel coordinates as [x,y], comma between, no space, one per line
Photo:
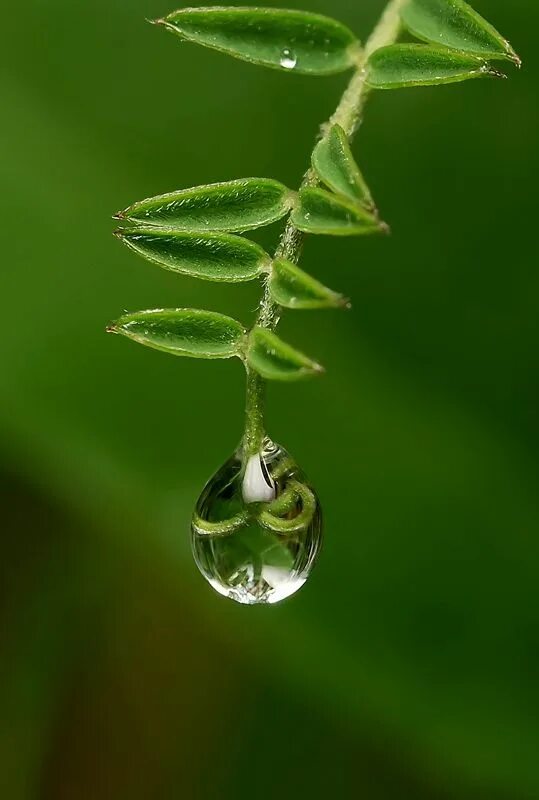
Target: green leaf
[334,164]
[233,206]
[183,332]
[402,65]
[210,256]
[293,41]
[319,211]
[275,360]
[293,288]
[454,24]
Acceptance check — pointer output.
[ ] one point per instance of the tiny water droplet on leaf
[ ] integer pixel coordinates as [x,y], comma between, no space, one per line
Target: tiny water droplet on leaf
[257,527]
[288,59]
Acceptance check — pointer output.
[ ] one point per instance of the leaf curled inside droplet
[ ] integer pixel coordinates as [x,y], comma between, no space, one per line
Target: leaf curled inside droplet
[292,41]
[321,212]
[291,287]
[210,256]
[183,332]
[232,206]
[455,24]
[276,360]
[404,65]
[335,165]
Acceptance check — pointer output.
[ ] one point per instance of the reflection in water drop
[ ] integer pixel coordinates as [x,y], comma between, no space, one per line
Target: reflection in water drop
[256,550]
[288,59]
[258,485]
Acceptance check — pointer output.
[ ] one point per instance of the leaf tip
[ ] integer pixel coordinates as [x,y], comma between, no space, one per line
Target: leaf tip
[111,328]
[492,72]
[511,54]
[159,21]
[384,228]
[344,302]
[118,215]
[515,58]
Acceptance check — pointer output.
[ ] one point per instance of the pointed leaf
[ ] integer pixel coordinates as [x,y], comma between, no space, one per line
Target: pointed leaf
[334,164]
[402,65]
[183,332]
[454,24]
[294,41]
[275,360]
[210,256]
[293,288]
[319,211]
[233,206]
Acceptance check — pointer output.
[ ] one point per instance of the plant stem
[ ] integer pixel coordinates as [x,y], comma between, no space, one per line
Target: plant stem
[349,116]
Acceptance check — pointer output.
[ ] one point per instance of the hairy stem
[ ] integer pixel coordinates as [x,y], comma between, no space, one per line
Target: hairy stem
[348,115]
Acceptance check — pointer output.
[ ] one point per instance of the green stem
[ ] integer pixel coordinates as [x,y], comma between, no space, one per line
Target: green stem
[348,115]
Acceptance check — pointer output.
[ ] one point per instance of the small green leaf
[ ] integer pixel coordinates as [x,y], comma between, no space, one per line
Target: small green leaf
[293,288]
[275,360]
[233,206]
[210,256]
[334,164]
[319,211]
[293,41]
[402,65]
[183,332]
[454,24]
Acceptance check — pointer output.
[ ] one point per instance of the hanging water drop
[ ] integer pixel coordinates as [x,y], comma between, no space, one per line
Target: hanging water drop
[288,59]
[257,527]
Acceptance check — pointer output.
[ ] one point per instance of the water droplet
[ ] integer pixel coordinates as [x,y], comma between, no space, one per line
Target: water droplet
[257,527]
[288,59]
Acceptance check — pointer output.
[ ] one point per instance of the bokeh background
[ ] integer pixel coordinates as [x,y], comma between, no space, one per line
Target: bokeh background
[408,667]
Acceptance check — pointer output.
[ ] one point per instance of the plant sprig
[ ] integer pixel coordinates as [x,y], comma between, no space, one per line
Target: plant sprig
[196,231]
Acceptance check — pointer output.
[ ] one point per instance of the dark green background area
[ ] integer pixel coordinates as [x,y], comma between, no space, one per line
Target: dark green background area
[408,667]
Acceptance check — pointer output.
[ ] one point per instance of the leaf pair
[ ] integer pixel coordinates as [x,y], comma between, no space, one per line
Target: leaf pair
[461,43]
[346,210]
[184,232]
[206,334]
[225,258]
[188,231]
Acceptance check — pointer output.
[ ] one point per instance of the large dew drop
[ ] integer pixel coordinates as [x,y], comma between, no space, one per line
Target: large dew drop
[257,527]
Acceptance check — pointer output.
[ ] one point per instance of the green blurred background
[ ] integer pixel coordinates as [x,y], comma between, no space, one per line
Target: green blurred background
[408,667]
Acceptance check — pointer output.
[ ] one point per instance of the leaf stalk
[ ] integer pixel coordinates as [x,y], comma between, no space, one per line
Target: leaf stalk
[348,115]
